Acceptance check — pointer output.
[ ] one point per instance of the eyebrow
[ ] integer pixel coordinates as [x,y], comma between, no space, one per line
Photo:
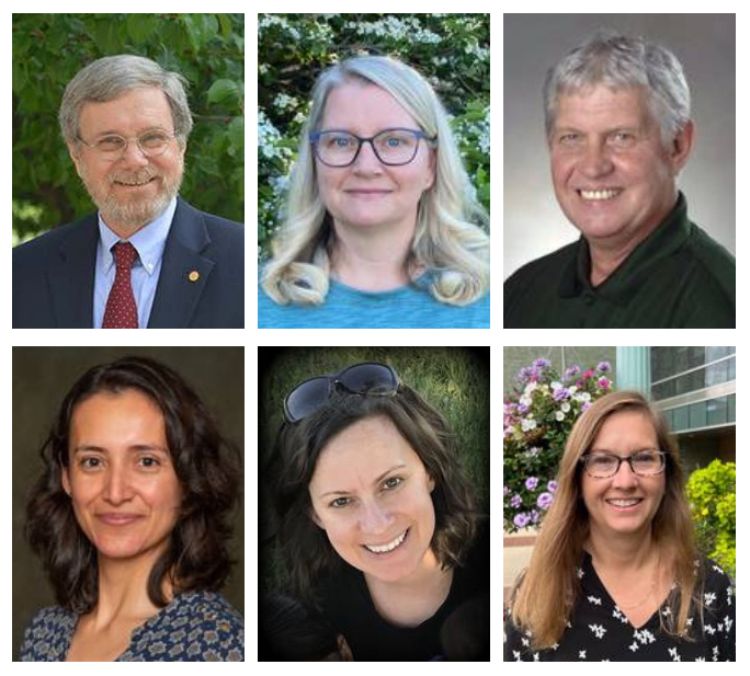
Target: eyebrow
[606,451]
[376,481]
[135,448]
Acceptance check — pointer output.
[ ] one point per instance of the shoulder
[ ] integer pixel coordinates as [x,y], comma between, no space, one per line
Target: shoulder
[47,635]
[52,239]
[217,226]
[712,258]
[548,263]
[205,626]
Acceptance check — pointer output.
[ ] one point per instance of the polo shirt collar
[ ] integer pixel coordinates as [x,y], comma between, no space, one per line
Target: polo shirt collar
[628,277]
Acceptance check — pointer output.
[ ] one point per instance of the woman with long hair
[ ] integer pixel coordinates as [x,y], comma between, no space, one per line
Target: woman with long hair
[381,227]
[376,523]
[131,520]
[615,573]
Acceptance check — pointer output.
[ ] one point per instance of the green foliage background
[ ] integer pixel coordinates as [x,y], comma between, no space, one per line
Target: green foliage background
[49,49]
[713,500]
[451,50]
[454,380]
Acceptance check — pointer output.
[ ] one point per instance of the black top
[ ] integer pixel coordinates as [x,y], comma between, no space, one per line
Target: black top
[678,277]
[346,602]
[598,631]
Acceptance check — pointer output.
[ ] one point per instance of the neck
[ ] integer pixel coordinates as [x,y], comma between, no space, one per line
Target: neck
[123,590]
[428,573]
[622,552]
[122,230]
[372,259]
[608,254]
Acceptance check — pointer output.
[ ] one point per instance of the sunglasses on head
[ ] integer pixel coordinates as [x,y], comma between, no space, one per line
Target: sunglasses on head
[369,378]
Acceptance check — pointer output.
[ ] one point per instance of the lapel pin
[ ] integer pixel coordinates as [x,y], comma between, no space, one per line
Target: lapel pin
[194,275]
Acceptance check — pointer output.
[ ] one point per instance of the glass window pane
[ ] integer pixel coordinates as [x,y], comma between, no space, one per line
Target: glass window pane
[717,411]
[698,415]
[680,418]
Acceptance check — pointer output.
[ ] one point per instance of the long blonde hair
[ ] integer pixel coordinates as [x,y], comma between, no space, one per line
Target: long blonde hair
[545,596]
[448,239]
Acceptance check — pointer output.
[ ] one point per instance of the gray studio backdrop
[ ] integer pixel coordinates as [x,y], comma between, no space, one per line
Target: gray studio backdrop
[534,225]
[41,378]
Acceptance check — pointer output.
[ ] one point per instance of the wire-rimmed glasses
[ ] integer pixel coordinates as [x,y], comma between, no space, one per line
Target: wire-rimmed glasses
[113,146]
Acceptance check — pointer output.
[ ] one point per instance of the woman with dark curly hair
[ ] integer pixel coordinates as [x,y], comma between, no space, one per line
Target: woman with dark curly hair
[376,520]
[130,520]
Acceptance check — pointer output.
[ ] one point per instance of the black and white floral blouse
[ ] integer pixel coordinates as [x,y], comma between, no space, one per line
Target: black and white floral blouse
[599,631]
[194,627]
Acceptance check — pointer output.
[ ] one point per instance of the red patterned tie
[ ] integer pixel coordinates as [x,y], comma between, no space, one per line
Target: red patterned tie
[121,312]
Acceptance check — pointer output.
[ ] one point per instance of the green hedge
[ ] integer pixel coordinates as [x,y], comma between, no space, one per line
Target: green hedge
[451,50]
[49,49]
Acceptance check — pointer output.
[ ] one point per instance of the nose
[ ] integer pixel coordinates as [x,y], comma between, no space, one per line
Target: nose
[133,155]
[374,519]
[117,488]
[367,161]
[625,477]
[595,161]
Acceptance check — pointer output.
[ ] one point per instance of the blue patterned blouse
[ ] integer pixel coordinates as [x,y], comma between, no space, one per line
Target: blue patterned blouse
[194,627]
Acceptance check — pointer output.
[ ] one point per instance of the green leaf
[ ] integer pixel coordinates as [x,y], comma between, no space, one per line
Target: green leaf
[140,27]
[223,91]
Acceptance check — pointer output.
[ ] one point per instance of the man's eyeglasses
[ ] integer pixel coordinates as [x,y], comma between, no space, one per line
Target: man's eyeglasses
[369,378]
[606,465]
[393,147]
[113,146]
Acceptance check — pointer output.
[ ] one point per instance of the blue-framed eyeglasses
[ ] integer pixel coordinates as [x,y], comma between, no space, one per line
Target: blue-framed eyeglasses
[393,147]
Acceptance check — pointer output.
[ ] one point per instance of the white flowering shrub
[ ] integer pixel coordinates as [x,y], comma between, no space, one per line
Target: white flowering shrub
[451,50]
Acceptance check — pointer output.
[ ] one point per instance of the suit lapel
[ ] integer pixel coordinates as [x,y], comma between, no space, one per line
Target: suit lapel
[184,270]
[70,276]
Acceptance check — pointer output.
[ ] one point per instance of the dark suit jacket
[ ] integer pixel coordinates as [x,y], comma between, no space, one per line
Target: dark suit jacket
[53,275]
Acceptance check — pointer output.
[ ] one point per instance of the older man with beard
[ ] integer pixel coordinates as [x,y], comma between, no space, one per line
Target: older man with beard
[148,258]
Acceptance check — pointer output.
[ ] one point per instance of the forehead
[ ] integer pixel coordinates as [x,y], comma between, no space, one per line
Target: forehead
[131,112]
[626,430]
[117,416]
[360,453]
[365,108]
[600,106]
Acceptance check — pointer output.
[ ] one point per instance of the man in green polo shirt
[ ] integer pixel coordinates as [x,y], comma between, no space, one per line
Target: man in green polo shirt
[617,112]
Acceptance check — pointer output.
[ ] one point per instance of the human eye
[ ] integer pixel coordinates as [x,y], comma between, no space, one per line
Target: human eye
[601,462]
[647,459]
[338,503]
[110,143]
[569,138]
[622,138]
[338,141]
[89,462]
[153,139]
[148,462]
[392,483]
[394,139]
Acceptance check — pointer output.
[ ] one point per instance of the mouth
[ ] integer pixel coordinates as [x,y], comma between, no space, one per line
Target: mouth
[367,192]
[115,519]
[601,195]
[624,504]
[134,182]
[388,547]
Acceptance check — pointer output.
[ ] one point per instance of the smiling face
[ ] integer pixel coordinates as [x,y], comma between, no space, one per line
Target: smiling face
[369,193]
[613,176]
[134,189]
[624,504]
[123,487]
[371,494]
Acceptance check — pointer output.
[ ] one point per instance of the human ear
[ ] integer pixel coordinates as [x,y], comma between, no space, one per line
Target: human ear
[65,480]
[681,146]
[75,156]
[315,518]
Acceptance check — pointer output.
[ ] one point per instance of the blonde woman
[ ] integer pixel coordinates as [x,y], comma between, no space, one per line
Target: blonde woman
[381,229]
[615,574]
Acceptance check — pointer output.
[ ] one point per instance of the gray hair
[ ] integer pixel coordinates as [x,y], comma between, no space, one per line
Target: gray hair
[618,61]
[107,78]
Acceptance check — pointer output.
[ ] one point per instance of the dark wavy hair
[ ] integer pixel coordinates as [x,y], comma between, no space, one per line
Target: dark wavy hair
[305,551]
[208,469]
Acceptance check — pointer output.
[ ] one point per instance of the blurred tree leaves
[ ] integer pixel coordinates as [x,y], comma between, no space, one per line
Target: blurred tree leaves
[49,49]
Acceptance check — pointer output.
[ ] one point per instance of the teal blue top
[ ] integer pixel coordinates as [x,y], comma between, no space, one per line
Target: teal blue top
[408,307]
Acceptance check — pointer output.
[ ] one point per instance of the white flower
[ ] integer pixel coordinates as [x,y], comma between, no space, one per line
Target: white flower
[528,424]
[559,416]
[565,408]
